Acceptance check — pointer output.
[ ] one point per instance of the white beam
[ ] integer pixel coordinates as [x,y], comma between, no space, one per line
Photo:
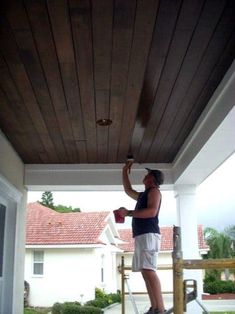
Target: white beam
[211,141]
[92,177]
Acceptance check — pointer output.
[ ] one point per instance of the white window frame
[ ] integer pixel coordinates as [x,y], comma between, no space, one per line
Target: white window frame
[41,262]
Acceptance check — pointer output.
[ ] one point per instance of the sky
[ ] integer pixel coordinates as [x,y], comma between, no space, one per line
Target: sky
[215,200]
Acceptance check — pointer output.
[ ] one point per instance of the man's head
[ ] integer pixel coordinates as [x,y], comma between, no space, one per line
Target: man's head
[157,175]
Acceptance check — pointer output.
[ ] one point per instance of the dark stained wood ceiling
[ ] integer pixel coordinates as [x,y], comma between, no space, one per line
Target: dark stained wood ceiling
[149,66]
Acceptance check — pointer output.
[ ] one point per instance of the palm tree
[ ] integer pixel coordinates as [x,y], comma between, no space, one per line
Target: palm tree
[230,232]
[220,244]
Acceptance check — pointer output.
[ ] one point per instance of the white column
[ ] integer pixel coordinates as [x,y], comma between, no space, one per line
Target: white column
[187,220]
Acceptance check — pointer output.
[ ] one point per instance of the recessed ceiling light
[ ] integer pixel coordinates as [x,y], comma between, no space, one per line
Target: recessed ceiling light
[104,122]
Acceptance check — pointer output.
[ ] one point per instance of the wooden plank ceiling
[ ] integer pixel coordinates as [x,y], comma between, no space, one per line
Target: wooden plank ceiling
[149,66]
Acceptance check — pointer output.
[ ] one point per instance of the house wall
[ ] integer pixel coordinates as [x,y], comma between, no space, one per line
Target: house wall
[13,198]
[69,275]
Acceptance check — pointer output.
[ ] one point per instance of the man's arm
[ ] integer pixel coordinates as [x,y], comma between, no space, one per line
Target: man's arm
[126,182]
[154,199]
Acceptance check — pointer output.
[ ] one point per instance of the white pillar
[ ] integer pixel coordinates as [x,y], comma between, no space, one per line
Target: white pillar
[187,220]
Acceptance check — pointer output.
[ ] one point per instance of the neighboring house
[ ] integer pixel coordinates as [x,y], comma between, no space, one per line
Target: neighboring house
[69,254]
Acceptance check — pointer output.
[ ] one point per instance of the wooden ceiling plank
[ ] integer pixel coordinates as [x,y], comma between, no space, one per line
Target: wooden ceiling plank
[162,36]
[16,133]
[124,17]
[187,20]
[143,31]
[10,53]
[195,52]
[80,12]
[60,21]
[15,103]
[209,75]
[34,77]
[56,111]
[102,21]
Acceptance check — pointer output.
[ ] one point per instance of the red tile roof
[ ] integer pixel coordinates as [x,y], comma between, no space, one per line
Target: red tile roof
[166,242]
[46,226]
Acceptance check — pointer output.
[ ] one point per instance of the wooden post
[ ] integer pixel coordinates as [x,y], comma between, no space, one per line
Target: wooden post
[178,297]
[123,285]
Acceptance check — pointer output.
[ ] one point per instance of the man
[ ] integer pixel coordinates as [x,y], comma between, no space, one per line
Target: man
[146,232]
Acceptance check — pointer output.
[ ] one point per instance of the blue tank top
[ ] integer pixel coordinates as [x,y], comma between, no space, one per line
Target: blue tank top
[144,225]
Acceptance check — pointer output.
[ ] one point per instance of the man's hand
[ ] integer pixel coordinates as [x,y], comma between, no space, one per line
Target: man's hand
[128,165]
[123,212]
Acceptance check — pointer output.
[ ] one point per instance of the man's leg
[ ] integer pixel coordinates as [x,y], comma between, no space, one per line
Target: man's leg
[154,288]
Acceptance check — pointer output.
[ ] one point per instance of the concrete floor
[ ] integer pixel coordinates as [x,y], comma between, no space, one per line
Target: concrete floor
[142,304]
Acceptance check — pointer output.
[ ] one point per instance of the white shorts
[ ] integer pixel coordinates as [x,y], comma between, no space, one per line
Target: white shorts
[147,247]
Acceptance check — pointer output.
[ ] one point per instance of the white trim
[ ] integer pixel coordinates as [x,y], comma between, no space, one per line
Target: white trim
[88,177]
[9,190]
[63,246]
[197,147]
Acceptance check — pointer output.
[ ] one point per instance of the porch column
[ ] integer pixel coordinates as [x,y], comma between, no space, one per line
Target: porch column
[187,219]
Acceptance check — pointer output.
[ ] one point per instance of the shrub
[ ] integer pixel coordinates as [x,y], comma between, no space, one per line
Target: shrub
[75,309]
[99,302]
[57,308]
[219,286]
[115,297]
[103,300]
[99,293]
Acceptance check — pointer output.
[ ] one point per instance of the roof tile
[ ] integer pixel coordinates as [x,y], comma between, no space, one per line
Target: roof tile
[166,241]
[46,226]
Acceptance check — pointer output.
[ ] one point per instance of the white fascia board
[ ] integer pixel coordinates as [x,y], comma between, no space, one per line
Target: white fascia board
[63,246]
[88,177]
[211,141]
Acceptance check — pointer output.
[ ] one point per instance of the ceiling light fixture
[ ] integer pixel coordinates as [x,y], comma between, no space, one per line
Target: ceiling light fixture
[104,122]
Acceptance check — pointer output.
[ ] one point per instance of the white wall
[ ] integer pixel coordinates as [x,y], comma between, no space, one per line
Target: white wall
[13,195]
[70,274]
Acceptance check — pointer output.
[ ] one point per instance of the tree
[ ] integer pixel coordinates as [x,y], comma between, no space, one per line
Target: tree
[230,232]
[219,243]
[220,246]
[66,209]
[47,199]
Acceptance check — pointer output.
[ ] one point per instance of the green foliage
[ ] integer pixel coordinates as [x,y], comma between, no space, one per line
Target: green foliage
[103,300]
[74,308]
[219,286]
[99,293]
[66,209]
[222,245]
[219,242]
[47,199]
[57,308]
[36,310]
[212,275]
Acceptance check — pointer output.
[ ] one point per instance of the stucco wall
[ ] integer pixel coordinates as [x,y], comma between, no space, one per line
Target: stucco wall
[69,275]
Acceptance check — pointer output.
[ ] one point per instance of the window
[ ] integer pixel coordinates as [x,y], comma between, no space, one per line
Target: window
[38,259]
[102,268]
